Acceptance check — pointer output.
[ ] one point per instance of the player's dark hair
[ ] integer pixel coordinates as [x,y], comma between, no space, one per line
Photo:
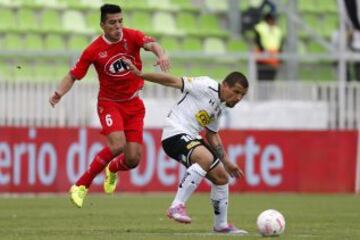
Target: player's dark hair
[108,9]
[236,77]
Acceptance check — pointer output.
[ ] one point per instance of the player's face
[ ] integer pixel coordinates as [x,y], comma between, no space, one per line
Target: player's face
[112,26]
[233,95]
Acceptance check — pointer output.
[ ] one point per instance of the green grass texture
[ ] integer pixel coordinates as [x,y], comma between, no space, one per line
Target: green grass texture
[143,216]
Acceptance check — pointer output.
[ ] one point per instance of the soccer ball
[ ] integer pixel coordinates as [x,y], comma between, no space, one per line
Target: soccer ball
[270,223]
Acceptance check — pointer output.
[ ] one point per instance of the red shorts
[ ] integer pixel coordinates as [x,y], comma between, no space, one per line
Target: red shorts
[125,116]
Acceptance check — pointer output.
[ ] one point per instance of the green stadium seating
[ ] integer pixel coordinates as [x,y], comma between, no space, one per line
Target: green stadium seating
[214,45]
[327,6]
[237,45]
[132,5]
[187,22]
[164,23]
[217,6]
[170,44]
[315,47]
[54,42]
[192,44]
[51,22]
[141,20]
[73,21]
[78,5]
[92,19]
[330,24]
[23,69]
[209,26]
[34,42]
[161,5]
[12,41]
[77,42]
[28,20]
[9,4]
[307,6]
[184,5]
[7,19]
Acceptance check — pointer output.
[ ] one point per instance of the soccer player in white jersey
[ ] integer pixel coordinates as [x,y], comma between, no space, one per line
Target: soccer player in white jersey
[202,102]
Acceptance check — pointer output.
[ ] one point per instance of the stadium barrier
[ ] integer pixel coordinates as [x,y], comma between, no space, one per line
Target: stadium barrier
[26,104]
[36,160]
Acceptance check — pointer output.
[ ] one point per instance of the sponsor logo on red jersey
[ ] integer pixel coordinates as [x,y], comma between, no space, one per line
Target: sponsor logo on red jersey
[116,67]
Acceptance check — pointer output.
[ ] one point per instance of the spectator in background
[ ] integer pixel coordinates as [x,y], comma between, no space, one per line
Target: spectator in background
[252,16]
[120,109]
[268,40]
[352,13]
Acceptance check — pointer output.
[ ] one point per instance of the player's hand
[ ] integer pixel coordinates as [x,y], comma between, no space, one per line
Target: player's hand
[233,170]
[54,99]
[131,67]
[163,62]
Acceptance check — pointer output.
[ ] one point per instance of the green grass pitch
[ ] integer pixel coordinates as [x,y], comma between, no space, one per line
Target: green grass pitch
[142,216]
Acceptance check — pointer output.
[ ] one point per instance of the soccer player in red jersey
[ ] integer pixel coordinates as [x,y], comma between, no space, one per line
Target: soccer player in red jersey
[120,110]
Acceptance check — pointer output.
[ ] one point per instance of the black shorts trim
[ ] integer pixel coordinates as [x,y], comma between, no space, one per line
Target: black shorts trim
[181,146]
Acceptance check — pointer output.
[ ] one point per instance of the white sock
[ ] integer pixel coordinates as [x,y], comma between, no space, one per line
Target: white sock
[191,180]
[219,200]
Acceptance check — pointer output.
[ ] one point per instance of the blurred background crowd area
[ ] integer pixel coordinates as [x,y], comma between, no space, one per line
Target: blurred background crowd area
[39,39]
[316,62]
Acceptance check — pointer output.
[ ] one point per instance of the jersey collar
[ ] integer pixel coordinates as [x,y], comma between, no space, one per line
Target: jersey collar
[109,42]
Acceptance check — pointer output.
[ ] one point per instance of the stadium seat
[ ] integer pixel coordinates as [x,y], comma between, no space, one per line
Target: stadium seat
[54,42]
[132,5]
[77,42]
[13,42]
[170,44]
[34,42]
[27,20]
[237,45]
[8,20]
[73,21]
[192,44]
[50,69]
[164,22]
[161,5]
[184,5]
[92,19]
[23,69]
[51,22]
[330,24]
[315,47]
[141,20]
[216,5]
[327,6]
[77,5]
[9,4]
[307,6]
[214,45]
[187,22]
[209,26]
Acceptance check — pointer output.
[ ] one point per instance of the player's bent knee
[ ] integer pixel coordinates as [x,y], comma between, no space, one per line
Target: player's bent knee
[132,162]
[221,180]
[116,149]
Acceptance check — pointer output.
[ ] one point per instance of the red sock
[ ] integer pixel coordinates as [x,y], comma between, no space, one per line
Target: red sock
[97,165]
[118,164]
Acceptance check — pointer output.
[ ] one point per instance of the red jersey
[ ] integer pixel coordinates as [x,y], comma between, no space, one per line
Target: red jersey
[116,83]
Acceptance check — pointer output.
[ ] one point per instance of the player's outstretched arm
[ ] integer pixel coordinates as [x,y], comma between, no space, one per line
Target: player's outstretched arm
[162,59]
[161,78]
[64,86]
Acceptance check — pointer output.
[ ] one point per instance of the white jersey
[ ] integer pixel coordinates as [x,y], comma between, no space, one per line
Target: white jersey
[199,107]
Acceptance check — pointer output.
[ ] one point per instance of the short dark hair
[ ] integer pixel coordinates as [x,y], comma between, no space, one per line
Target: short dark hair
[236,77]
[108,9]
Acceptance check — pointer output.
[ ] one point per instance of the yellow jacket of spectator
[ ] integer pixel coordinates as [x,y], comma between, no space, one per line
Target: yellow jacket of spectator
[270,41]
